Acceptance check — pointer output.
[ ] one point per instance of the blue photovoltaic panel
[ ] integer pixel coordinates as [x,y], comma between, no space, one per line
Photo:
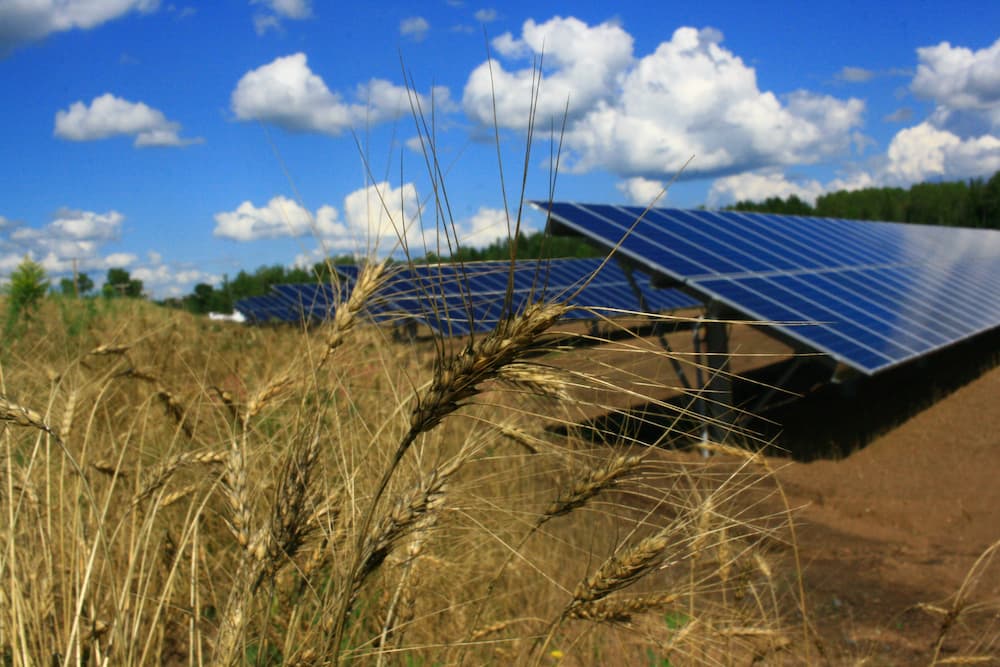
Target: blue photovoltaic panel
[267,308]
[459,298]
[456,299]
[874,294]
[313,301]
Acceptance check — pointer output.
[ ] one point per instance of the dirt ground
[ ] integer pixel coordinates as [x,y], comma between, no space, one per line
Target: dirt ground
[895,483]
[900,523]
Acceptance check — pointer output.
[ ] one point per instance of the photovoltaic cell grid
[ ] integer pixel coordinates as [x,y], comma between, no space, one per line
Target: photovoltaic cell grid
[458,299]
[875,295]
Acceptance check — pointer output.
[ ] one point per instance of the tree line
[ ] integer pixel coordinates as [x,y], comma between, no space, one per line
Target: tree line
[972,203]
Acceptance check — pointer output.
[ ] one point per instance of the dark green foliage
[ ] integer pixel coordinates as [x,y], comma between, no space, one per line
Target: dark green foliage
[974,203]
[537,245]
[120,283]
[83,285]
[27,288]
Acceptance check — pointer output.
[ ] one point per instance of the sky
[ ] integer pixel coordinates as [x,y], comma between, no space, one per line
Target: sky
[188,141]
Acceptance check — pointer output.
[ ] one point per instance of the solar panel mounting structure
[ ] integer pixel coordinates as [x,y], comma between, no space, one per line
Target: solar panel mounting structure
[870,295]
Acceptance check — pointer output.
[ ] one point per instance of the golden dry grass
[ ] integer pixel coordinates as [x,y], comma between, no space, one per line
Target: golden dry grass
[215,494]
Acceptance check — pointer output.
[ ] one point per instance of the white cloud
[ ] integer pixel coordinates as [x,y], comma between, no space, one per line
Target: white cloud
[483,228]
[415,27]
[291,9]
[23,21]
[642,191]
[582,67]
[72,235]
[486,15]
[755,186]
[278,10]
[758,186]
[109,116]
[165,279]
[280,217]
[925,152]
[647,116]
[372,218]
[958,77]
[287,93]
[264,22]
[379,216]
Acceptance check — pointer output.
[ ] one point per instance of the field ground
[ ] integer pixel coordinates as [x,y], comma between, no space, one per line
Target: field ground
[895,503]
[900,523]
[895,483]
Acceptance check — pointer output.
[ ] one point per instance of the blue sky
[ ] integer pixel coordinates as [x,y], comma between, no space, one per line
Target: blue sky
[188,141]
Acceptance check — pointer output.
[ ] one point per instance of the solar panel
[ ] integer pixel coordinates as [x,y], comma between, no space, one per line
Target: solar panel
[312,300]
[266,308]
[875,294]
[456,299]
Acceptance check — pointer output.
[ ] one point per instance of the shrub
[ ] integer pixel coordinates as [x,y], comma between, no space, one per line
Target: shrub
[28,284]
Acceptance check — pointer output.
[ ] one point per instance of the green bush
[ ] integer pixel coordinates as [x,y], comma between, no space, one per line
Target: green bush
[28,285]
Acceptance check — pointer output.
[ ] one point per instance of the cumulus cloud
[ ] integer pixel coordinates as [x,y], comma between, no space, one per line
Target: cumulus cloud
[287,93]
[925,152]
[280,217]
[758,186]
[959,77]
[382,217]
[22,22]
[373,217]
[109,116]
[646,116]
[960,138]
[582,65]
[642,191]
[964,85]
[483,228]
[415,27]
[72,236]
[161,279]
[755,186]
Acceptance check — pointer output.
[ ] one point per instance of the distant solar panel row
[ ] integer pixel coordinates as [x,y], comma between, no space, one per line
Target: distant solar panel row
[458,299]
[876,294]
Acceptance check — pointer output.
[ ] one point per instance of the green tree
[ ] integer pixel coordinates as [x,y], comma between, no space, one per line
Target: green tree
[83,285]
[28,285]
[120,283]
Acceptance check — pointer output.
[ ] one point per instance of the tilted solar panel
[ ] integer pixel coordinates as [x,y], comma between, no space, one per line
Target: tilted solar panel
[459,298]
[875,295]
[267,308]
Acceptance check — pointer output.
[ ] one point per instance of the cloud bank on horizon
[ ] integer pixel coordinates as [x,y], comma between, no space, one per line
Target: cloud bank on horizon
[632,111]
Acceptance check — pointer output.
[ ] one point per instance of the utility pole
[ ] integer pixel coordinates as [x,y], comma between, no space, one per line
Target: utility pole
[76,288]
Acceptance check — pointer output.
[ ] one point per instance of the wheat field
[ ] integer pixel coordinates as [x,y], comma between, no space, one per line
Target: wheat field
[183,492]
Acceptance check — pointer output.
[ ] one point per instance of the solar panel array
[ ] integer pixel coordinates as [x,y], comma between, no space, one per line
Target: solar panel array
[875,295]
[458,299]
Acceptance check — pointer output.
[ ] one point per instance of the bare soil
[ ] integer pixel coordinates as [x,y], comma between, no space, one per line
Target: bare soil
[895,485]
[900,523]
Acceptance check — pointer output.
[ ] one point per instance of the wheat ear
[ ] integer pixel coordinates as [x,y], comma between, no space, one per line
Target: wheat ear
[456,380]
